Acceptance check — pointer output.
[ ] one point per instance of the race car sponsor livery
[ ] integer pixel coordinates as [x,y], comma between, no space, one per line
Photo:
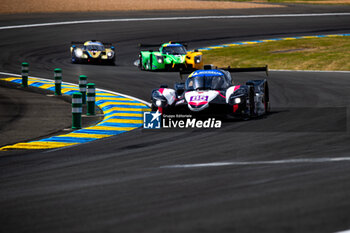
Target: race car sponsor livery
[171,56]
[92,52]
[212,92]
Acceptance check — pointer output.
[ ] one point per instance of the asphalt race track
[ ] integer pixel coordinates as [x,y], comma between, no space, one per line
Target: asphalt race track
[288,172]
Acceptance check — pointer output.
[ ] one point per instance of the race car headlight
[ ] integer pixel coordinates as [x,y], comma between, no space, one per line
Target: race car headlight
[158,99]
[160,59]
[198,59]
[237,100]
[158,103]
[79,52]
[110,54]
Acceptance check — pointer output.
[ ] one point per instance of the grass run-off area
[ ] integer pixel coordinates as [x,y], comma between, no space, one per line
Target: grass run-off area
[298,54]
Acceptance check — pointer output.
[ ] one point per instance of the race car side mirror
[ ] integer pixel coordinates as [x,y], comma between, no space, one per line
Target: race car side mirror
[179,86]
[208,67]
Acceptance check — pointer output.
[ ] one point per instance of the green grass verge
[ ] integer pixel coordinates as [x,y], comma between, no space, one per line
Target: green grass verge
[298,54]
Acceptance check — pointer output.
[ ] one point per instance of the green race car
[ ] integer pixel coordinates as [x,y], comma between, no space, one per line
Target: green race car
[171,56]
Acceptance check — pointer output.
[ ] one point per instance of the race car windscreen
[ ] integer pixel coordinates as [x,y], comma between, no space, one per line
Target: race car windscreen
[207,83]
[94,47]
[174,50]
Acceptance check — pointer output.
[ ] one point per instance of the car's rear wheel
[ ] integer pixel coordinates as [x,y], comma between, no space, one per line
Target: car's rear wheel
[148,65]
[266,98]
[75,60]
[141,63]
[251,101]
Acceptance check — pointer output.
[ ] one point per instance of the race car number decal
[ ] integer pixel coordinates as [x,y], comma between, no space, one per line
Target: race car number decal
[199,98]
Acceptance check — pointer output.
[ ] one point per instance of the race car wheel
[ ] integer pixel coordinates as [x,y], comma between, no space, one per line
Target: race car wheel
[140,63]
[148,65]
[251,101]
[75,60]
[266,98]
[154,108]
[111,62]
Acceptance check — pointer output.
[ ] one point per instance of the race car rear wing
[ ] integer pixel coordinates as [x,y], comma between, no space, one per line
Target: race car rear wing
[229,69]
[248,69]
[77,42]
[158,45]
[108,45]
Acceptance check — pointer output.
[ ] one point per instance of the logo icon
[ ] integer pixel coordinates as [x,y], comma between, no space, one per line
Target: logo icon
[151,120]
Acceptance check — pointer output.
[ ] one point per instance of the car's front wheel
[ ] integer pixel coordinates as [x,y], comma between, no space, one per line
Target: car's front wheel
[141,63]
[251,101]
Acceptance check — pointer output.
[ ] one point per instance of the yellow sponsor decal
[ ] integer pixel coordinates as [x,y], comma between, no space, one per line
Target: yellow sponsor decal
[95,54]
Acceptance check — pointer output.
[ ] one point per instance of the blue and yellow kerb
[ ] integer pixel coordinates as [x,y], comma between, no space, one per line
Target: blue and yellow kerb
[121,114]
[269,40]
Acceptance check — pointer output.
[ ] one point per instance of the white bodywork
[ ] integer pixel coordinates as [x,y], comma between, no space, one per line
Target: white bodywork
[169,95]
[200,98]
[230,91]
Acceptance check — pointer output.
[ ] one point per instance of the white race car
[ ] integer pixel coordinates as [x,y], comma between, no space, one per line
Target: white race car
[211,92]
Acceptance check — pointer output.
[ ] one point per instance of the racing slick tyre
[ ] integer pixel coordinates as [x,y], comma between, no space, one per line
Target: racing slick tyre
[74,60]
[111,62]
[154,108]
[140,63]
[266,98]
[251,94]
